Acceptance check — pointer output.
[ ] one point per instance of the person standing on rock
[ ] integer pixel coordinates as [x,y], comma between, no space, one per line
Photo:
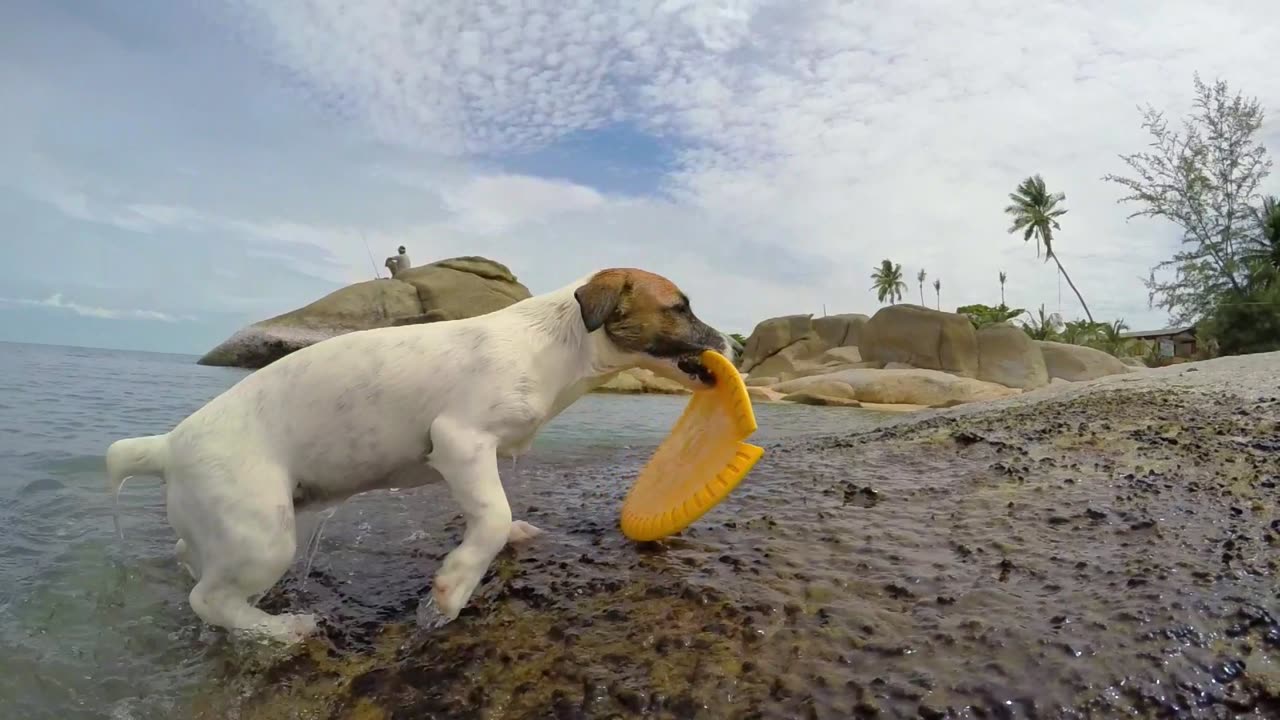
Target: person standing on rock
[399,262]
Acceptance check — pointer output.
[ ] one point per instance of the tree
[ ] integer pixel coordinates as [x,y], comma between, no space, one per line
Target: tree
[1044,327]
[1111,339]
[887,282]
[1080,332]
[1247,323]
[920,276]
[1264,251]
[1035,212]
[1204,179]
[937,288]
[984,315]
[1003,278]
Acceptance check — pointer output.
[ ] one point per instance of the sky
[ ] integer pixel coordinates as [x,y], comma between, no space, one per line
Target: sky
[171,170]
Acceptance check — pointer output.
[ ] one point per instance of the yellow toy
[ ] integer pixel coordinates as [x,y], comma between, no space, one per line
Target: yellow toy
[699,463]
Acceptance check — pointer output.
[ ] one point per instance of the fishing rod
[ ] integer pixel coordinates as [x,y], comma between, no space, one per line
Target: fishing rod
[371,263]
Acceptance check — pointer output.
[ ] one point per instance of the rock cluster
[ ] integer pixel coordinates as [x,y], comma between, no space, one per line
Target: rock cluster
[907,355]
[904,356]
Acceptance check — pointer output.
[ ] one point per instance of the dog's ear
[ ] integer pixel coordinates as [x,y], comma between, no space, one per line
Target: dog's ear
[599,298]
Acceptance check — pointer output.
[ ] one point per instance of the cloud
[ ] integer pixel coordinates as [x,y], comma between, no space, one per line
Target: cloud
[496,203]
[849,131]
[57,302]
[801,142]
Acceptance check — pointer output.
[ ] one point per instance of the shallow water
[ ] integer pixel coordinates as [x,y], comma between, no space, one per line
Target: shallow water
[91,627]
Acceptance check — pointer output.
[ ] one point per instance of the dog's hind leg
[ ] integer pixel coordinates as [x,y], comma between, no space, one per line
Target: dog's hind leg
[246,542]
[469,463]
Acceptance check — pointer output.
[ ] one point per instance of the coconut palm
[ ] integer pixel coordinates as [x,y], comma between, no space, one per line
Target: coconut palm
[1111,339]
[1080,332]
[887,282]
[937,288]
[1035,212]
[1043,327]
[920,276]
[1265,251]
[1003,277]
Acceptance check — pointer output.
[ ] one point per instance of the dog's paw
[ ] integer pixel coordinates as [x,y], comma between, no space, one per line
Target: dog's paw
[452,588]
[522,531]
[287,629]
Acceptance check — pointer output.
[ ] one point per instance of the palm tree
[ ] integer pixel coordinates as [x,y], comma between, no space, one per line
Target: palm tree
[1112,340]
[1043,327]
[1080,332]
[937,288]
[1266,249]
[920,277]
[887,282]
[1003,277]
[1035,213]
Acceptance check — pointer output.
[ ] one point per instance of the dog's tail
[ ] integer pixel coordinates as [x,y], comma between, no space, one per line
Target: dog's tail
[131,457]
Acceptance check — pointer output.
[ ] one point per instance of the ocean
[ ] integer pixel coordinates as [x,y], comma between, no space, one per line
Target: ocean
[92,627]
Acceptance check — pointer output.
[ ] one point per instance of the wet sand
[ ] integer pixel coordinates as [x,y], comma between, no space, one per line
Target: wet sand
[1109,550]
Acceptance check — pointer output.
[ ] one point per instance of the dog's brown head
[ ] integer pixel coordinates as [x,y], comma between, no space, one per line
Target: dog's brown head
[649,321]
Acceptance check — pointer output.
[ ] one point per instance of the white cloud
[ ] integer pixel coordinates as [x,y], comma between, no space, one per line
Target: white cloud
[496,203]
[850,131]
[815,137]
[57,302]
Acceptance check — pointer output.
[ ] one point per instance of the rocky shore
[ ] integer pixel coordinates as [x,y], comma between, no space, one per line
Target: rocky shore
[905,357]
[1091,549]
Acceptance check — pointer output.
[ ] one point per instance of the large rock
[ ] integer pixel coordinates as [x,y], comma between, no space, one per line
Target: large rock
[445,290]
[808,398]
[922,338]
[794,360]
[637,381]
[772,335]
[847,355]
[1009,356]
[1077,363]
[841,330]
[913,387]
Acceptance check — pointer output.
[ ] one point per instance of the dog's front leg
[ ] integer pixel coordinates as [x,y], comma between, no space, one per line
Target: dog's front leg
[468,461]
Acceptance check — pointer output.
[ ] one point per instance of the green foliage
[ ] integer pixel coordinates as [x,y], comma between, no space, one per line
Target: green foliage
[1043,327]
[739,338]
[1081,332]
[1247,322]
[983,315]
[1109,339]
[887,282]
[1263,252]
[1035,212]
[1205,179]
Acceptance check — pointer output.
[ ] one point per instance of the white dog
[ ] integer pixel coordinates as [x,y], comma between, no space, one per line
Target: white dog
[398,407]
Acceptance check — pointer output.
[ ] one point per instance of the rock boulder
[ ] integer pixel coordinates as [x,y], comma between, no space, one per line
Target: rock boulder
[771,336]
[1077,363]
[913,387]
[841,330]
[1008,356]
[445,290]
[922,338]
[638,381]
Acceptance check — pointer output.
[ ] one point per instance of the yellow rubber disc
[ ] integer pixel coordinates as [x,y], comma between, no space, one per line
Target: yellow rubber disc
[700,461]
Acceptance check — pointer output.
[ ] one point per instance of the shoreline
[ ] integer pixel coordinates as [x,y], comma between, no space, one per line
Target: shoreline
[1030,555]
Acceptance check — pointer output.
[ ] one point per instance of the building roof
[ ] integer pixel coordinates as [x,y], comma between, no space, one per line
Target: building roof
[1167,332]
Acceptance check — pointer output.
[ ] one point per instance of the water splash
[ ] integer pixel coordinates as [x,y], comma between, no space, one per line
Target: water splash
[428,616]
[313,545]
